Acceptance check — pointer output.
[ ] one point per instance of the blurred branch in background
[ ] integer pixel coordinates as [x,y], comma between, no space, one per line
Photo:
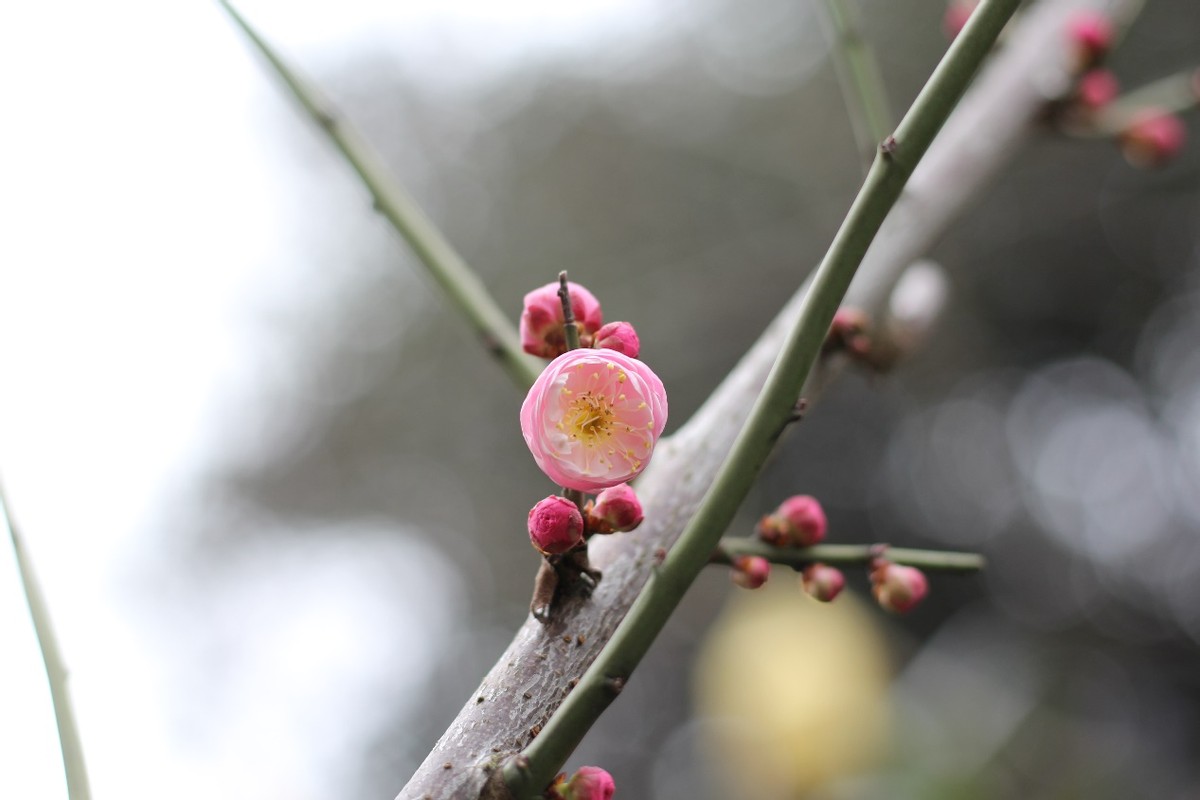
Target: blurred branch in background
[56,669]
[859,76]
[461,285]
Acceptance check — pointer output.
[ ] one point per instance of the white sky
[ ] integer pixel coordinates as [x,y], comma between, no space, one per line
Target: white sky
[142,205]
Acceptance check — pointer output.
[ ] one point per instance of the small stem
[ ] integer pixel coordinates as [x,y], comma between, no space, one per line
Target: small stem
[570,326]
[771,411]
[846,554]
[56,670]
[859,77]
[1174,93]
[461,285]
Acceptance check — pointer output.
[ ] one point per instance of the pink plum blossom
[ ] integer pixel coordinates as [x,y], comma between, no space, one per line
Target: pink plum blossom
[617,509]
[542,325]
[619,336]
[592,418]
[555,525]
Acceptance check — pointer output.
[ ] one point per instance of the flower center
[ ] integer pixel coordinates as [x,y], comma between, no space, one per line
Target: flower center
[589,417]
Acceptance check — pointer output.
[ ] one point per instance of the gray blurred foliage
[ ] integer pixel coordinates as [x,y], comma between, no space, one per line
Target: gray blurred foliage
[691,178]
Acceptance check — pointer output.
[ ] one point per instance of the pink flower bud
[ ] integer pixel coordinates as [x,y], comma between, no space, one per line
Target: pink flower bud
[898,588]
[555,525]
[750,572]
[823,582]
[1153,139]
[1097,89]
[617,509]
[1091,33]
[592,418]
[956,16]
[542,326]
[849,332]
[619,336]
[589,783]
[798,522]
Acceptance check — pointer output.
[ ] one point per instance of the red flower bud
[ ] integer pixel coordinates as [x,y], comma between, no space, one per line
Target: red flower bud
[616,509]
[823,582]
[956,16]
[750,572]
[542,326]
[898,588]
[619,336]
[1153,139]
[849,332]
[555,525]
[1097,89]
[589,783]
[1091,33]
[798,522]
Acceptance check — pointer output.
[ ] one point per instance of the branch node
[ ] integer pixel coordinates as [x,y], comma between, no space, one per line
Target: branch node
[888,147]
[614,685]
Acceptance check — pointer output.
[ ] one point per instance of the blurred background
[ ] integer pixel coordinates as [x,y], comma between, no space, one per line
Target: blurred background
[274,488]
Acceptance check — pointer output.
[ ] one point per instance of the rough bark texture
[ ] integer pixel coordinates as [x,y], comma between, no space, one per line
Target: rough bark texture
[537,670]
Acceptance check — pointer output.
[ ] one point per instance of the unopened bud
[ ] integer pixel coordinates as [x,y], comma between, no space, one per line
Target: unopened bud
[542,326]
[1153,139]
[589,783]
[1091,34]
[1096,89]
[555,525]
[850,333]
[750,572]
[619,336]
[897,588]
[956,16]
[798,522]
[616,509]
[823,582]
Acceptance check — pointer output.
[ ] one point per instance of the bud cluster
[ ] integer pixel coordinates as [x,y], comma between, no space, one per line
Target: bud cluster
[591,419]
[800,522]
[1150,136]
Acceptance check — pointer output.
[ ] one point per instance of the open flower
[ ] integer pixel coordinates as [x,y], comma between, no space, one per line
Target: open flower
[592,418]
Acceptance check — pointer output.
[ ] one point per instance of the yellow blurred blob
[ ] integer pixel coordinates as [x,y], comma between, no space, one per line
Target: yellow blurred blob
[793,692]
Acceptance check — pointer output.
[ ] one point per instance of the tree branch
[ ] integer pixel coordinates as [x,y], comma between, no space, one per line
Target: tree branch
[999,114]
[462,286]
[845,554]
[56,669]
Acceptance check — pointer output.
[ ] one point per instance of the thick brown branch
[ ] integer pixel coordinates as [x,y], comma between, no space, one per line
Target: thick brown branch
[539,666]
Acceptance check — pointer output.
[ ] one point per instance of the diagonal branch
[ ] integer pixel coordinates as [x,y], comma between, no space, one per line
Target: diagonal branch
[1000,112]
[462,286]
[56,669]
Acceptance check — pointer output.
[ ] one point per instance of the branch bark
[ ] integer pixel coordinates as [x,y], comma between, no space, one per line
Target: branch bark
[539,667]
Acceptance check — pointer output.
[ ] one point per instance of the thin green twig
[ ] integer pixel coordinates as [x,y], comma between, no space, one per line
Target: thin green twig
[527,774]
[860,78]
[846,554]
[462,286]
[56,670]
[1173,94]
